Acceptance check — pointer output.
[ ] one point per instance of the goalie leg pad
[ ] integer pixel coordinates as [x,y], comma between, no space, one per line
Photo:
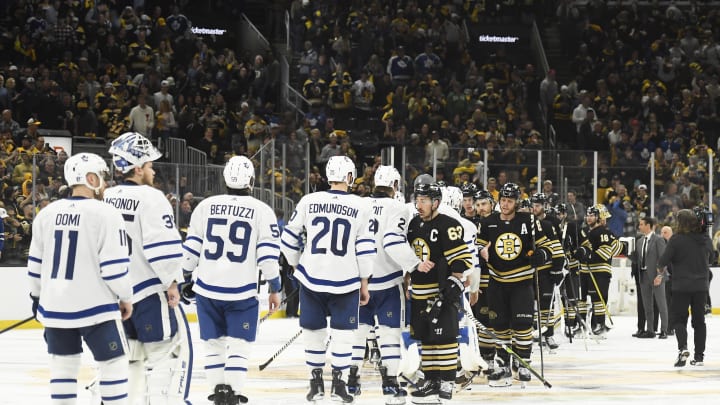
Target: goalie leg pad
[315,347]
[64,371]
[410,359]
[469,351]
[164,371]
[113,380]
[136,371]
[236,365]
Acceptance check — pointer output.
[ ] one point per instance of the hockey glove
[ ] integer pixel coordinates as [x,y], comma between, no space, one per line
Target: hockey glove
[582,254]
[187,295]
[539,257]
[453,289]
[35,304]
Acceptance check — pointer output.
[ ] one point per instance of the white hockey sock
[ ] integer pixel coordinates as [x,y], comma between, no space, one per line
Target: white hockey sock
[315,347]
[341,348]
[390,340]
[215,362]
[359,343]
[63,378]
[236,364]
[113,380]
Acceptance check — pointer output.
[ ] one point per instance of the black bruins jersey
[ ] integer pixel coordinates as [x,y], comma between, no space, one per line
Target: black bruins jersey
[439,240]
[511,245]
[549,226]
[604,246]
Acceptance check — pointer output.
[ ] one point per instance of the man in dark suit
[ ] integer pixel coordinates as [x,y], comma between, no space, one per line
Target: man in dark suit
[649,248]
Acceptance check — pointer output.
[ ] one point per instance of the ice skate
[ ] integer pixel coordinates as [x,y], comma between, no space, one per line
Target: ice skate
[698,360]
[500,377]
[524,376]
[317,386]
[338,392]
[551,343]
[392,393]
[353,384]
[428,393]
[465,378]
[682,358]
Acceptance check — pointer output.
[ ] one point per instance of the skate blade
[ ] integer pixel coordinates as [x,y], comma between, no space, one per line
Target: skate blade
[500,383]
[430,400]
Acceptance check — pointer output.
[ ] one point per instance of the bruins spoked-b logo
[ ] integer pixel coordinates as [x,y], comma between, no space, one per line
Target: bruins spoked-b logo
[508,246]
[422,250]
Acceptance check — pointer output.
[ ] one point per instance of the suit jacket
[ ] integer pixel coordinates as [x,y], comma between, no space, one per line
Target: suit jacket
[655,249]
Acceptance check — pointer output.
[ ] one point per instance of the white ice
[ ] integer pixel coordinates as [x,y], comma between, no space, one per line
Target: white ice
[618,370]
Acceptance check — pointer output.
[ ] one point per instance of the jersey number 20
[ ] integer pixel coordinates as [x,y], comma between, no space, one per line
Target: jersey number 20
[339,228]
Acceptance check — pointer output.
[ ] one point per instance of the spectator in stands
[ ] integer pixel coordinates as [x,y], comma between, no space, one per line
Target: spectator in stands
[142,117]
[7,122]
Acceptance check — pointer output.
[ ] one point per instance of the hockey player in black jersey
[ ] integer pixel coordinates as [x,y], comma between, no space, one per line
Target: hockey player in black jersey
[569,234]
[597,247]
[550,274]
[513,246]
[484,206]
[436,287]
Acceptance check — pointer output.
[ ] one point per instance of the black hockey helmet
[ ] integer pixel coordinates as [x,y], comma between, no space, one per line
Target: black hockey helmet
[468,190]
[510,190]
[538,198]
[525,203]
[441,183]
[431,190]
[561,208]
[483,195]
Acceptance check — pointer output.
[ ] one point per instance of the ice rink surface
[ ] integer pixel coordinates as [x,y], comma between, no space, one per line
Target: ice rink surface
[618,370]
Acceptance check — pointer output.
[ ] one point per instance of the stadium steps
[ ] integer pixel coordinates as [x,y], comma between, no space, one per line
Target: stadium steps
[556,59]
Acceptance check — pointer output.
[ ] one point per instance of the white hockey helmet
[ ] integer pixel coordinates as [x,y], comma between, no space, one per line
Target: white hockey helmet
[239,173]
[338,167]
[452,197]
[131,150]
[78,166]
[387,176]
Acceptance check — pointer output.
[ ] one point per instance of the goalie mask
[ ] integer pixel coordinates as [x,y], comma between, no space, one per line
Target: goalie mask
[131,150]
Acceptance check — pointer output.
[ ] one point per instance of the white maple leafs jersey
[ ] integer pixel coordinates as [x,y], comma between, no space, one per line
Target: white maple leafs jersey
[394,255]
[229,239]
[155,244]
[78,263]
[328,241]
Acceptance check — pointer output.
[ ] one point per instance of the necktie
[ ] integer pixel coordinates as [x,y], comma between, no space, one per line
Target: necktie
[644,253]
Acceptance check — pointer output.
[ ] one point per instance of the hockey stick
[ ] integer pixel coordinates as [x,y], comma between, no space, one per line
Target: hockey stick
[599,293]
[282,349]
[578,316]
[284,300]
[16,324]
[505,347]
[537,295]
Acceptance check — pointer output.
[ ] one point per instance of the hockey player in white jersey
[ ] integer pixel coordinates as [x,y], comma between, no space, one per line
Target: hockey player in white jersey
[394,257]
[452,201]
[159,366]
[328,242]
[230,238]
[78,268]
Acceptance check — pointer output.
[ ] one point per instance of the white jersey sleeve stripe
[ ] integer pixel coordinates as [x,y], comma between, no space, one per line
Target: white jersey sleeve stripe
[268,245]
[388,277]
[164,243]
[193,239]
[34,259]
[268,257]
[145,284]
[226,290]
[35,275]
[114,276]
[290,246]
[165,257]
[191,251]
[116,261]
[400,242]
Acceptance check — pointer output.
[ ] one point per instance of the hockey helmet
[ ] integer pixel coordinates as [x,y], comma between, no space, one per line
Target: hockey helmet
[510,190]
[423,179]
[538,198]
[452,197]
[431,190]
[387,176]
[131,150]
[600,211]
[484,195]
[468,189]
[239,173]
[338,168]
[561,208]
[525,203]
[78,166]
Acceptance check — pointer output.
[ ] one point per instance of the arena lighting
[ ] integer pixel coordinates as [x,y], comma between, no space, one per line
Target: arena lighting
[208,31]
[498,38]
